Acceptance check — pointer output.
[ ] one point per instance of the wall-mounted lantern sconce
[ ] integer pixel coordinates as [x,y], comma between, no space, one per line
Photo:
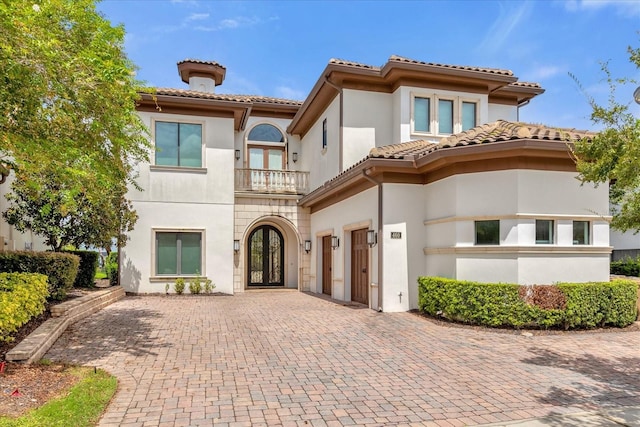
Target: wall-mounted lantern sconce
[236,246]
[294,157]
[237,154]
[307,246]
[372,238]
[335,242]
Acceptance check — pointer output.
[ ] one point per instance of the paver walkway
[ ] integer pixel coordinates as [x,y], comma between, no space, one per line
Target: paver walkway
[288,358]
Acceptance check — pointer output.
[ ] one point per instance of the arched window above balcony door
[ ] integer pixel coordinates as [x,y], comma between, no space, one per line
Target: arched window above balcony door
[266,146]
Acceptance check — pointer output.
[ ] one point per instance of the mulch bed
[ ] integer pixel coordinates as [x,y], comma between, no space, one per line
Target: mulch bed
[24,387]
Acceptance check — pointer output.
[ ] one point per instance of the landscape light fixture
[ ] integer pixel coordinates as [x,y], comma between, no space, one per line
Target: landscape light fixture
[294,157]
[237,154]
[236,246]
[372,238]
[307,246]
[335,242]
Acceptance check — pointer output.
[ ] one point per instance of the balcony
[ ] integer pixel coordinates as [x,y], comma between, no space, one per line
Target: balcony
[272,181]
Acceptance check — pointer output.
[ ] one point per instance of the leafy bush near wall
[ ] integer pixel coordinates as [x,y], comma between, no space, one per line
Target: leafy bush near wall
[600,304]
[584,305]
[87,268]
[626,267]
[22,296]
[111,267]
[60,268]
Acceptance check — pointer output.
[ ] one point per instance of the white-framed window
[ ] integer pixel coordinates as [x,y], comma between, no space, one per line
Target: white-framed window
[487,232]
[178,144]
[422,114]
[544,231]
[468,115]
[432,114]
[178,253]
[266,147]
[581,232]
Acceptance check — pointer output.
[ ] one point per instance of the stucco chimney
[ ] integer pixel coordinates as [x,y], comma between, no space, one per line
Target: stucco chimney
[202,76]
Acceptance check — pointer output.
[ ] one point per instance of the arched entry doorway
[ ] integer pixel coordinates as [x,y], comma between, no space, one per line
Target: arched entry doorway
[266,257]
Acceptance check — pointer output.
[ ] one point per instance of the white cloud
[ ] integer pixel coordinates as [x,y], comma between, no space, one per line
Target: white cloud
[628,8]
[542,72]
[197,17]
[290,93]
[232,23]
[507,21]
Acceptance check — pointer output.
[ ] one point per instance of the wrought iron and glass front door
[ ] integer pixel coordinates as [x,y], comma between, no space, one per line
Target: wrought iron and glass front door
[266,257]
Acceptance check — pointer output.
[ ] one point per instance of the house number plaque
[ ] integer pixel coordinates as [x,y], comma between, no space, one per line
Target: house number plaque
[396,235]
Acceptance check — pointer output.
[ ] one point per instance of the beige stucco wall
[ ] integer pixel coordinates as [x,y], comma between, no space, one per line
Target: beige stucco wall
[251,211]
[359,211]
[517,198]
[322,164]
[186,199]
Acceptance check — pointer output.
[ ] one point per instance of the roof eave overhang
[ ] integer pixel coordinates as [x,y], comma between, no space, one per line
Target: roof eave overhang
[514,94]
[387,79]
[172,104]
[428,168]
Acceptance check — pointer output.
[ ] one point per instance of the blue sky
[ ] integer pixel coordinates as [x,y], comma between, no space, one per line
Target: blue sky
[280,48]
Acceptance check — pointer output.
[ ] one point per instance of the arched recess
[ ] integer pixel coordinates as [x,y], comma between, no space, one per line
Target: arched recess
[266,146]
[274,228]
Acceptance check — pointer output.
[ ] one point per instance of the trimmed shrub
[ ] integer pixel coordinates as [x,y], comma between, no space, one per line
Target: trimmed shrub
[87,268]
[591,305]
[111,267]
[583,305]
[179,286]
[60,268]
[22,296]
[626,267]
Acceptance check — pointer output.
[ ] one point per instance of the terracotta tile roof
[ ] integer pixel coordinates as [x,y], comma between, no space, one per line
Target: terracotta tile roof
[396,58]
[353,64]
[498,131]
[525,84]
[198,61]
[224,97]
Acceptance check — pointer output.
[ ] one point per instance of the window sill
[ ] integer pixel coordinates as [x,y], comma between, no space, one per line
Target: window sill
[183,169]
[173,278]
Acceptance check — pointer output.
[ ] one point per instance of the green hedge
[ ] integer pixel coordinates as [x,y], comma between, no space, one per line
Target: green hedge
[22,296]
[583,305]
[111,267]
[626,267]
[87,268]
[60,268]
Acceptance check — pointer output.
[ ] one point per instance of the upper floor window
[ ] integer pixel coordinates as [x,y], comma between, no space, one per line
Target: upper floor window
[178,144]
[266,133]
[442,116]
[544,231]
[266,147]
[469,115]
[324,134]
[445,116]
[422,114]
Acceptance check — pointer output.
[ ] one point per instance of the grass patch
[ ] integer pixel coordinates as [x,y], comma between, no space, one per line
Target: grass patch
[100,275]
[81,406]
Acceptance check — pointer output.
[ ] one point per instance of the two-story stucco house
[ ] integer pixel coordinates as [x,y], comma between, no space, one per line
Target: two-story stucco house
[381,175]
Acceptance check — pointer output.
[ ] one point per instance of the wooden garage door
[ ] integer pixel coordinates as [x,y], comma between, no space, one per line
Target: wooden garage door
[326,265]
[359,266]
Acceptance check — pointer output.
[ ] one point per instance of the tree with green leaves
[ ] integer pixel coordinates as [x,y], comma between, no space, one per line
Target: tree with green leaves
[69,130]
[613,155]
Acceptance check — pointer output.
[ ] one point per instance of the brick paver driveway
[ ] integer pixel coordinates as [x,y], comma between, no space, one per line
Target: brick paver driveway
[278,357]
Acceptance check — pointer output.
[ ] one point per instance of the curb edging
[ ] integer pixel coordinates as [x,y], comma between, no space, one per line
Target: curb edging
[33,347]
